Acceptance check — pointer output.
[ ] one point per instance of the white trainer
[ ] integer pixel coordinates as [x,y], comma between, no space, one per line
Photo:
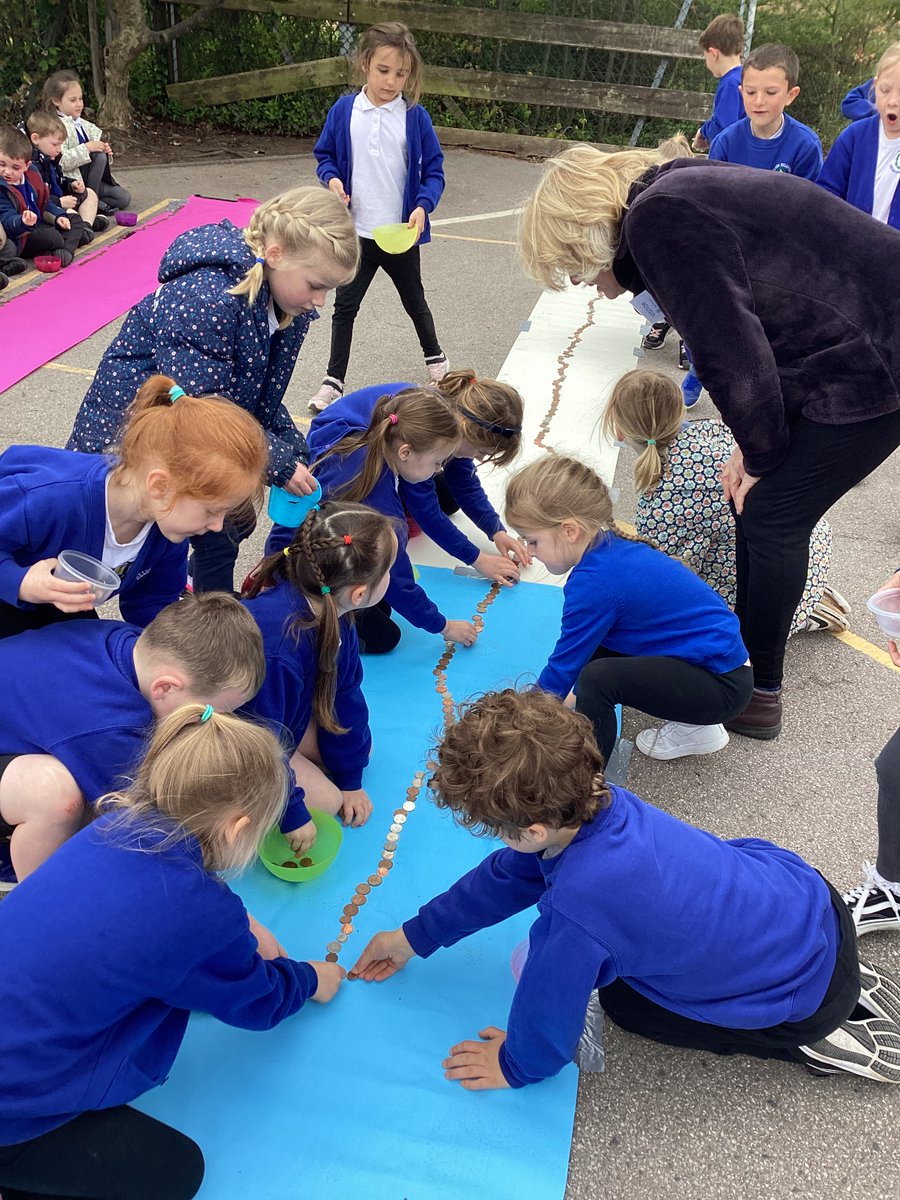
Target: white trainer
[674,740]
[327,394]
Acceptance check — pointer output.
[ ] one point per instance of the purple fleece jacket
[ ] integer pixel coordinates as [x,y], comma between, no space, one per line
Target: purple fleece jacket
[754,271]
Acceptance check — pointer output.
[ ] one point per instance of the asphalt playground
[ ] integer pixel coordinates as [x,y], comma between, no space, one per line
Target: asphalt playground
[659,1124]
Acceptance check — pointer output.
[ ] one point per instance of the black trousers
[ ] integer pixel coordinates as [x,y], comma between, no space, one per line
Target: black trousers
[377,633]
[15,620]
[663,687]
[772,535]
[47,239]
[632,1011]
[405,272]
[215,554]
[114,1154]
[887,768]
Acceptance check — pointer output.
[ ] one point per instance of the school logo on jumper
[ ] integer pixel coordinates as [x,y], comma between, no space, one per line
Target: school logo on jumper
[895,165]
[782,168]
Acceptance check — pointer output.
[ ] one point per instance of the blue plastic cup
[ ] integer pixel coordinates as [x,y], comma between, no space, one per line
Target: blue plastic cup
[289,510]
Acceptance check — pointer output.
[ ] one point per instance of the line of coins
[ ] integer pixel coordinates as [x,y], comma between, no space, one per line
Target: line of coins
[561,372]
[408,807]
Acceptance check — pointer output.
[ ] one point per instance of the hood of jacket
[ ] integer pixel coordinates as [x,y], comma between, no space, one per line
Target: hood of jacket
[220,247]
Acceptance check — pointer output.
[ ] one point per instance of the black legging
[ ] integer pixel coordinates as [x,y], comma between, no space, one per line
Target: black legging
[772,535]
[97,175]
[114,1154]
[377,633]
[887,768]
[663,687]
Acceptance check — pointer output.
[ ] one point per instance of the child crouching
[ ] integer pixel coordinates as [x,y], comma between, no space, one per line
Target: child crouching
[774,974]
[116,940]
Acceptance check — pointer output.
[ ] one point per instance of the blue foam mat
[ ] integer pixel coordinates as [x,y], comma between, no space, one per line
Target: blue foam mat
[348,1100]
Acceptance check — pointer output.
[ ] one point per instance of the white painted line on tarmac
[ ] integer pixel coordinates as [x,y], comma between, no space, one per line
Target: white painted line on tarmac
[490,216]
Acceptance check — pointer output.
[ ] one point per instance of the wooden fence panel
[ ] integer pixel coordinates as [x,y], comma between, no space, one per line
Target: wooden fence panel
[270,81]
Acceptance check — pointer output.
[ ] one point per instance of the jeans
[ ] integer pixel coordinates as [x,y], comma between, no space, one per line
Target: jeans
[214,554]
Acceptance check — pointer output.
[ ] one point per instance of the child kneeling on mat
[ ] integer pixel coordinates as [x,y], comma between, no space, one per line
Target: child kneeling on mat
[114,942]
[775,973]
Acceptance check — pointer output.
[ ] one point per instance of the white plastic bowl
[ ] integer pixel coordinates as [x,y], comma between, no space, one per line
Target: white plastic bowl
[885,607]
[76,567]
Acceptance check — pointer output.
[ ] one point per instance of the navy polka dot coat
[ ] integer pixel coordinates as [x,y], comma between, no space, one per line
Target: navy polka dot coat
[206,340]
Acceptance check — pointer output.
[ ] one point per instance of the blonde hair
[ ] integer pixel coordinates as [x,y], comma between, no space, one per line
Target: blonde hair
[890,58]
[304,222]
[397,36]
[556,488]
[201,774]
[213,638]
[490,414]
[419,417]
[646,406]
[570,224]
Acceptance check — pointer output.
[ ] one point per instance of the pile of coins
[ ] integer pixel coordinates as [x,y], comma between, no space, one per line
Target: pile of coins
[408,807]
[561,373]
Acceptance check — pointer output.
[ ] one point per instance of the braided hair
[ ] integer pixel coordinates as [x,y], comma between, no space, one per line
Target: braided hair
[338,545]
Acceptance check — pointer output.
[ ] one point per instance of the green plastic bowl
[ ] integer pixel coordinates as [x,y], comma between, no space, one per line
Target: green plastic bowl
[276,850]
[394,239]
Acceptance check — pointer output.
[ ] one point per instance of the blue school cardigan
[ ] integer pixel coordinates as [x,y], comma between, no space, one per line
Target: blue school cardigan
[53,500]
[849,170]
[209,342]
[728,105]
[425,174]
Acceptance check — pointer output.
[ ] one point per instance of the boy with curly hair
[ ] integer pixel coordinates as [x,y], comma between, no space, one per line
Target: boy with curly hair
[726,946]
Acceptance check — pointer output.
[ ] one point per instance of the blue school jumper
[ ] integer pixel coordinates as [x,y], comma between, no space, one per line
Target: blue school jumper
[635,600]
[53,500]
[739,933]
[209,342]
[795,151]
[425,173]
[345,417]
[728,105]
[71,691]
[858,102]
[849,170]
[286,696]
[106,951]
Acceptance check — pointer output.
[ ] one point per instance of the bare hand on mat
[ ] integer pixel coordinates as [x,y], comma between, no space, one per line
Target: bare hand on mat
[476,1065]
[387,953]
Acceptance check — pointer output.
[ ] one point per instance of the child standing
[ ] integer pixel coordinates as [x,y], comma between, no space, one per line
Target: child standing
[767,137]
[70,732]
[229,318]
[115,941]
[379,153]
[303,599]
[638,628]
[681,508]
[48,134]
[34,224]
[85,151]
[722,43]
[183,464]
[863,165]
[774,973]
[361,452]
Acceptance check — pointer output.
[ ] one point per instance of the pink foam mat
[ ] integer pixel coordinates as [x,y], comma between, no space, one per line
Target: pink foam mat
[69,307]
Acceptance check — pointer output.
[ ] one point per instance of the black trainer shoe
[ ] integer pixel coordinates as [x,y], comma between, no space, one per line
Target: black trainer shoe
[657,335]
[873,906]
[13,266]
[100,223]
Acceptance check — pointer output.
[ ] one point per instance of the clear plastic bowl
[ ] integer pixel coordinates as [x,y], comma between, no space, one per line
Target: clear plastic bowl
[77,567]
[885,607]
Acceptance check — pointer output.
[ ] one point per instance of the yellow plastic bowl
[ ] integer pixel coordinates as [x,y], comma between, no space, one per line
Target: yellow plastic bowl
[394,239]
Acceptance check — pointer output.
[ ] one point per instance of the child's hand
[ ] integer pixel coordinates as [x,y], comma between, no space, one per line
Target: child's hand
[107,149]
[356,809]
[889,584]
[387,953]
[63,223]
[267,945]
[40,586]
[77,186]
[699,142]
[463,632]
[476,1065]
[29,218]
[95,147]
[302,838]
[571,700]
[68,202]
[335,185]
[894,653]
[507,544]
[497,566]
[302,482]
[417,221]
[331,976]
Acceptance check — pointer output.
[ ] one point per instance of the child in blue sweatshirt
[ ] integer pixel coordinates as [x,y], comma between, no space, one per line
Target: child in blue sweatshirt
[765,965]
[303,599]
[110,947]
[863,165]
[78,703]
[638,628]
[379,153]
[767,137]
[183,464]
[722,43]
[362,448]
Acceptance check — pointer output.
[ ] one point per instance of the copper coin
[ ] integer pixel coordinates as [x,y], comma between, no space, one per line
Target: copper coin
[385,865]
[376,879]
[290,863]
[358,901]
[409,805]
[306,862]
[333,947]
[411,791]
[363,889]
[346,928]
[331,958]
[389,846]
[382,871]
[437,670]
[350,911]
[441,689]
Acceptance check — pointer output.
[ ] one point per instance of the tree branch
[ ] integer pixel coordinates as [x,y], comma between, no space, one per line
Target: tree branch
[97,74]
[162,37]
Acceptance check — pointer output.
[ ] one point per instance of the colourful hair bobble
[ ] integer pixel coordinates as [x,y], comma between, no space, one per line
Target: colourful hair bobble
[176,392]
[260,261]
[348,540]
[392,417]
[207,713]
[651,441]
[286,552]
[325,589]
